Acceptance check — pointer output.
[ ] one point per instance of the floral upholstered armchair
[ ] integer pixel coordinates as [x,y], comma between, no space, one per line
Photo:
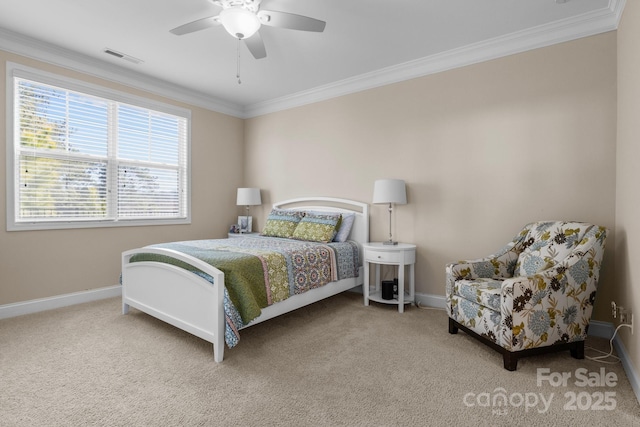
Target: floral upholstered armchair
[533,296]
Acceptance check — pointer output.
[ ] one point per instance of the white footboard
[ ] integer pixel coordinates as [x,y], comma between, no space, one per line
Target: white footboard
[189,302]
[177,296]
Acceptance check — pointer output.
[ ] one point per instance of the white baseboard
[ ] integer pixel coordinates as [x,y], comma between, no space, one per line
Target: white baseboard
[600,329]
[59,301]
[430,300]
[606,330]
[632,375]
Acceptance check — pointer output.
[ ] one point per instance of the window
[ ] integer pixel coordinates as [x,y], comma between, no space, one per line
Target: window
[83,156]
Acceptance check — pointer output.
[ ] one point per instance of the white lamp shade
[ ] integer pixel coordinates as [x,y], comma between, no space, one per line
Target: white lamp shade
[248,197]
[239,22]
[390,191]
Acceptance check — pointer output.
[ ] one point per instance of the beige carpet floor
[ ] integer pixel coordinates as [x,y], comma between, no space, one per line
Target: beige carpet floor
[334,363]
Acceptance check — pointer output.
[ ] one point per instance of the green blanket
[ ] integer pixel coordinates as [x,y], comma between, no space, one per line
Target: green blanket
[258,271]
[243,274]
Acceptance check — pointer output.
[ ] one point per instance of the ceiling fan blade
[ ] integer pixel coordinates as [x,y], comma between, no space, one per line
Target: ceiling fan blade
[291,21]
[256,46]
[200,24]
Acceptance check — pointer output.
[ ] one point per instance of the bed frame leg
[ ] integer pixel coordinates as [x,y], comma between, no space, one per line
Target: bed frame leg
[125,308]
[218,351]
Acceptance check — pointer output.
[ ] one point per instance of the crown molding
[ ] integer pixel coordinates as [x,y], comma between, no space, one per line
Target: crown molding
[592,23]
[56,55]
[588,24]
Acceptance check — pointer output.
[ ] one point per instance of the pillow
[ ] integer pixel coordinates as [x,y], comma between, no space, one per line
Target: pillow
[281,223]
[345,227]
[316,227]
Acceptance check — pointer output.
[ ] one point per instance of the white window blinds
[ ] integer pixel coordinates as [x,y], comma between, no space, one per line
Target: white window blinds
[82,158]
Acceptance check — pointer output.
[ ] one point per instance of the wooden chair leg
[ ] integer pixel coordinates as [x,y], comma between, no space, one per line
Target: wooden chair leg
[509,361]
[577,351]
[453,329]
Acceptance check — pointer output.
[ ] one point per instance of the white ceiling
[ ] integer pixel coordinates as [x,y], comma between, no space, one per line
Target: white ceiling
[366,43]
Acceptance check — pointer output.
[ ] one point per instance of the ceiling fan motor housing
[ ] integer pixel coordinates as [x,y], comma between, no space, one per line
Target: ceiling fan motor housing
[243,18]
[239,22]
[251,5]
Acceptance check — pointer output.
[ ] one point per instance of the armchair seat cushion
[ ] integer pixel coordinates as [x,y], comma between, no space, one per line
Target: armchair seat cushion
[482,291]
[478,318]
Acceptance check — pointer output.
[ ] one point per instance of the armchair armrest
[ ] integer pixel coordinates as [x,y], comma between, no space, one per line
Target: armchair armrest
[498,265]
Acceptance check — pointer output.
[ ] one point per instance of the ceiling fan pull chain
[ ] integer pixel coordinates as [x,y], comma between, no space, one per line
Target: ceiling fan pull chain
[238,63]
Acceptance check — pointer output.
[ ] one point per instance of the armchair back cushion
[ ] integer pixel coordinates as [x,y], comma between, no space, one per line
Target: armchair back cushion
[547,244]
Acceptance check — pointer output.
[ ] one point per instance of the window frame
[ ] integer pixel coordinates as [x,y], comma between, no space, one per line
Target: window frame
[13,71]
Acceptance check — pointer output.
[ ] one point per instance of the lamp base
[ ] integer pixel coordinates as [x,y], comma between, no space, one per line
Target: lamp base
[389,242]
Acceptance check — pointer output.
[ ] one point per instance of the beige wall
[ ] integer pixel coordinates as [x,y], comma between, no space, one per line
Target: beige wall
[38,264]
[628,175]
[484,150]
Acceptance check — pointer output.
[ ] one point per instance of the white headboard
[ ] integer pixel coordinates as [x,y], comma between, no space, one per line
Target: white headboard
[359,232]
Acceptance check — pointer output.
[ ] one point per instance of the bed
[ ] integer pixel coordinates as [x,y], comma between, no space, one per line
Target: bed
[179,286]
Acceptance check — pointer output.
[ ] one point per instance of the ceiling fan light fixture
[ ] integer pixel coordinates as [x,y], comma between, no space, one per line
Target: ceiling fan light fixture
[239,22]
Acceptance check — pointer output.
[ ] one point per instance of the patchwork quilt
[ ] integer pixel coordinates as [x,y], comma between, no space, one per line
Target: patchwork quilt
[261,271]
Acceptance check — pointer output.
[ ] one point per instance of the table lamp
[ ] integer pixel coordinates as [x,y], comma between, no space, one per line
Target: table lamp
[390,191]
[248,197]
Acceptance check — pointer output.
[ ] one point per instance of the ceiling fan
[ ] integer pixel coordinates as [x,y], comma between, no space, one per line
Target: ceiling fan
[243,18]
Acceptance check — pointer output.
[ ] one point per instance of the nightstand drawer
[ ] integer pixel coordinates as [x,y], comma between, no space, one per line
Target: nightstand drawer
[383,256]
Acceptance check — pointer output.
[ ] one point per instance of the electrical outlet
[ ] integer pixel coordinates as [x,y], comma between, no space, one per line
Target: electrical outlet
[627,319]
[624,316]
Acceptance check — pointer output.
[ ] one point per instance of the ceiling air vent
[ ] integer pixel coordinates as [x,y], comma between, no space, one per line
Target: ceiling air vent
[122,56]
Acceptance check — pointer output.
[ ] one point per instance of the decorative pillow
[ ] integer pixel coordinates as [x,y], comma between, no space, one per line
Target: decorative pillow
[345,227]
[282,223]
[316,227]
